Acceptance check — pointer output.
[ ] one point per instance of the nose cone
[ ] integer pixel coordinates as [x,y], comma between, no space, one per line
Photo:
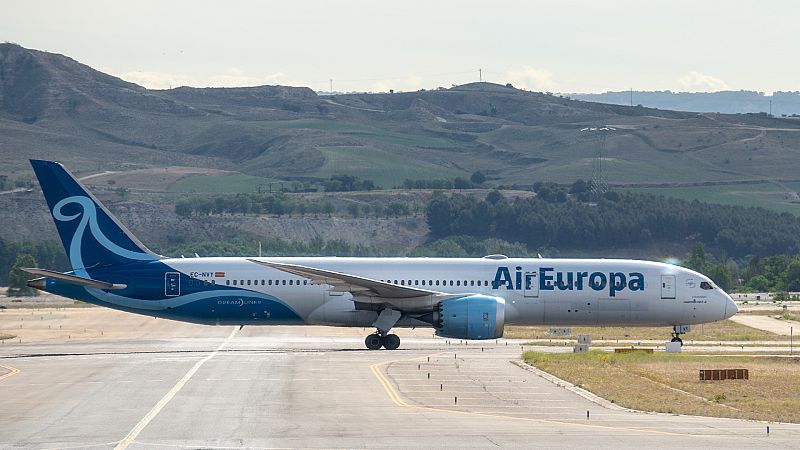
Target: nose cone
[730,307]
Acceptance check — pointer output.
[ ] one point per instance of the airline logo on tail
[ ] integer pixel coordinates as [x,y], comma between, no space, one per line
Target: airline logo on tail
[88,216]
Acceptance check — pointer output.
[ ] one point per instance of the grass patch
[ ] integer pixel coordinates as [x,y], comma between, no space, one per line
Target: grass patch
[384,168]
[725,330]
[669,383]
[3,337]
[790,316]
[222,184]
[765,195]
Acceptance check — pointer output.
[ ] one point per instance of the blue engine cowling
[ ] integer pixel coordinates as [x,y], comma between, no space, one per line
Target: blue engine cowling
[472,317]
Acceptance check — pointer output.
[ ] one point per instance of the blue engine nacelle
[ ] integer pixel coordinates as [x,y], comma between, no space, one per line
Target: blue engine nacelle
[472,317]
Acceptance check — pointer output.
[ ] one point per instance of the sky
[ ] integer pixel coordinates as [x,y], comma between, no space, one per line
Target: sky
[552,46]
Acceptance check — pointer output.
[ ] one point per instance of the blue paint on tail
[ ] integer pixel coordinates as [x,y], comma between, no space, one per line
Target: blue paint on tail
[91,235]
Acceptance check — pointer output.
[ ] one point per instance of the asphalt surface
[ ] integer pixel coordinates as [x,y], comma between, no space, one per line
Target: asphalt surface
[176,385]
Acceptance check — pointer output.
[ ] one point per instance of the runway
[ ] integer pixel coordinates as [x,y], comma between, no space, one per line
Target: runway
[174,385]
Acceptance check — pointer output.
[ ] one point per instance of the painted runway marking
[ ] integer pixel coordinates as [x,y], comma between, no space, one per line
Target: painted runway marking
[398,400]
[11,371]
[124,443]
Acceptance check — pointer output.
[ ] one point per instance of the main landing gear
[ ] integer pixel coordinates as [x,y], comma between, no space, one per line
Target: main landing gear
[381,338]
[388,341]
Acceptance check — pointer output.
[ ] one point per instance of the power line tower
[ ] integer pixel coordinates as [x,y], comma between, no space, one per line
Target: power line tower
[599,184]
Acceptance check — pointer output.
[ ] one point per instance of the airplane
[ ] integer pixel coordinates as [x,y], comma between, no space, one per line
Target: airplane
[462,298]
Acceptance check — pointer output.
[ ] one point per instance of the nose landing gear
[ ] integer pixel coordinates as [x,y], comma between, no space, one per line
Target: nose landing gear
[678,330]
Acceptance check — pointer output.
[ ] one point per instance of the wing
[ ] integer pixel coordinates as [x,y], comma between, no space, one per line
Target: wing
[361,286]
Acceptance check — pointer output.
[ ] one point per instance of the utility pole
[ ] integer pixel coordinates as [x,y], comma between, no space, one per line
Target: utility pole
[331,86]
[631,97]
[480,75]
[770,107]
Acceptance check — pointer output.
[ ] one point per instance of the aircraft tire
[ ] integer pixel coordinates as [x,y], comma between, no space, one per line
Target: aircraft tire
[373,342]
[679,340]
[391,342]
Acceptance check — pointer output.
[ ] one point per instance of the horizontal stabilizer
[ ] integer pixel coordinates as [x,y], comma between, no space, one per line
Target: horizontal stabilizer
[72,279]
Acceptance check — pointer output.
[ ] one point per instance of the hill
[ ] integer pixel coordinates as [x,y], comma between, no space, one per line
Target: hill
[729,102]
[54,107]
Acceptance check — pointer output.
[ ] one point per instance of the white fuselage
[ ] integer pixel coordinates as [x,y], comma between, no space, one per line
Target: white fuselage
[592,292]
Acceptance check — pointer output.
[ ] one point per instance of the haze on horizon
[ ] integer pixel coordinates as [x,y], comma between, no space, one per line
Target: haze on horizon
[576,46]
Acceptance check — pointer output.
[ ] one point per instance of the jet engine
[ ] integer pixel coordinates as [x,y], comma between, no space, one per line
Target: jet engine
[471,317]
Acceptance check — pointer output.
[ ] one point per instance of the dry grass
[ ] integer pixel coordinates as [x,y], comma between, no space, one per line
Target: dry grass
[790,316]
[725,330]
[3,336]
[669,383]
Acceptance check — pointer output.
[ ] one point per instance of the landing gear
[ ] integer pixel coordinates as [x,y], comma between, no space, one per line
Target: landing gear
[388,341]
[677,331]
[391,341]
[381,338]
[373,341]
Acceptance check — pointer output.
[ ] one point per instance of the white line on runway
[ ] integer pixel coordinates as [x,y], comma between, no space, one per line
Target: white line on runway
[124,443]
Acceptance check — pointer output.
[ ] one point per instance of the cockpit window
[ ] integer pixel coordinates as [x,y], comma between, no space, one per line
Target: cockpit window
[706,285]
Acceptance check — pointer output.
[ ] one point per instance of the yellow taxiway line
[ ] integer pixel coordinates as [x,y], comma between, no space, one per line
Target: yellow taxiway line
[11,371]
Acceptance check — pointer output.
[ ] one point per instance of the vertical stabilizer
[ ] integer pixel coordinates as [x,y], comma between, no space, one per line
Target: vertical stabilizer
[91,235]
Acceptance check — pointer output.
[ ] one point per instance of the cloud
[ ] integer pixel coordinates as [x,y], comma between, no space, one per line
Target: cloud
[697,82]
[231,77]
[532,79]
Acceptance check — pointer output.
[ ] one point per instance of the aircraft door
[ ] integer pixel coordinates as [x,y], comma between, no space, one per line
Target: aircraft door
[668,286]
[531,284]
[172,284]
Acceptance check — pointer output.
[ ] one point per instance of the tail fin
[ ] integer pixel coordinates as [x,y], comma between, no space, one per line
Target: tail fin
[91,235]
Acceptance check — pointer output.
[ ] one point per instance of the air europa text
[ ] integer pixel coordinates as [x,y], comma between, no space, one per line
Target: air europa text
[551,279]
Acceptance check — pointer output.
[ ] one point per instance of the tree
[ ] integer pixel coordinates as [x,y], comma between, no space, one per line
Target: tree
[462,183]
[478,177]
[352,209]
[328,208]
[17,279]
[697,260]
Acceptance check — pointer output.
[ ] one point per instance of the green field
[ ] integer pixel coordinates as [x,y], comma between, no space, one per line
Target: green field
[384,168]
[765,195]
[366,131]
[223,184]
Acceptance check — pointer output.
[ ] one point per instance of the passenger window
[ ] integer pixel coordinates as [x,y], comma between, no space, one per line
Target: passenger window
[284,282]
[234,282]
[248,282]
[227,282]
[458,283]
[403,282]
[451,282]
[305,282]
[472,282]
[437,282]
